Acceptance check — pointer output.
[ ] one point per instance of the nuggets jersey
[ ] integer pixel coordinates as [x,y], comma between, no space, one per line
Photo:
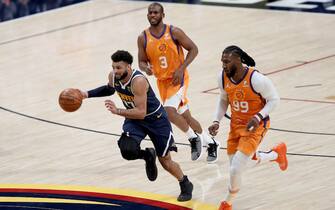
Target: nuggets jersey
[125,93]
[165,55]
[243,100]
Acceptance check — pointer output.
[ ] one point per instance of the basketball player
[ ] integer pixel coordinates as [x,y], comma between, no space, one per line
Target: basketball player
[251,96]
[144,115]
[160,52]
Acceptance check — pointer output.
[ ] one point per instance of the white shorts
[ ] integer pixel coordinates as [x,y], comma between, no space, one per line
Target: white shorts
[175,100]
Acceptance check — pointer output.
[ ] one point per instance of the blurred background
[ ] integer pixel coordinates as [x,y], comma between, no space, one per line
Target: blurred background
[11,9]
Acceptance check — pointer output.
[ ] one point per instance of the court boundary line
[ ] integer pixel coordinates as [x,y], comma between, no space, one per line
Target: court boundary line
[118,135]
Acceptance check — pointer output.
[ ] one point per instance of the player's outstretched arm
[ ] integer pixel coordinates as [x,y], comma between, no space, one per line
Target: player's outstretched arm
[102,91]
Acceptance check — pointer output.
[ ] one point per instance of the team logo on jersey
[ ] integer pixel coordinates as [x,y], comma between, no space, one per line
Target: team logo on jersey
[239,95]
[162,47]
[125,97]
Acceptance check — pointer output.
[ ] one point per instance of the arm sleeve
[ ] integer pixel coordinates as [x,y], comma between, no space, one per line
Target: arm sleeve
[105,90]
[264,86]
[222,103]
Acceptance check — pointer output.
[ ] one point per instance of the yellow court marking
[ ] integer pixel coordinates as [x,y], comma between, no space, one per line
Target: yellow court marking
[193,204]
[50,200]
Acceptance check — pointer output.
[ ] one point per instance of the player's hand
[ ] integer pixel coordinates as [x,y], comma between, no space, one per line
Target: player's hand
[253,124]
[214,128]
[178,76]
[110,105]
[84,94]
[148,70]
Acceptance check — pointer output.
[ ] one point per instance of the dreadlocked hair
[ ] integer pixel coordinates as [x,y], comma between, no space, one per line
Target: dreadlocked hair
[245,58]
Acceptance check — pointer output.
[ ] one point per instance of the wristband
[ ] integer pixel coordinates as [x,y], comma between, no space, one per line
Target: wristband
[259,117]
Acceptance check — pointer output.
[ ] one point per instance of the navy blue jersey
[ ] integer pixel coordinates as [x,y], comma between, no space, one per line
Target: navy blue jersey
[127,97]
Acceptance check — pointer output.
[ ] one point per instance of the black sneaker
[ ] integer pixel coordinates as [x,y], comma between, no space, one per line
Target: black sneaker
[213,152]
[196,147]
[150,163]
[186,188]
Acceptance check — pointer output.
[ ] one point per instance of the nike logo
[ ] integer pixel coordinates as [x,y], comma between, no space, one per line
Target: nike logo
[160,114]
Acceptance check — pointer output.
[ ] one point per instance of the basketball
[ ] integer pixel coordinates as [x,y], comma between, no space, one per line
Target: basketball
[70,99]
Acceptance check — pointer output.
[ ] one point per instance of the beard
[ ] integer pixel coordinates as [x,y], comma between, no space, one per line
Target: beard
[156,23]
[124,75]
[232,71]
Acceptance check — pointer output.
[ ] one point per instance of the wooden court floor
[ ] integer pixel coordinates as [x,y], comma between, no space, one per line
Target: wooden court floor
[41,55]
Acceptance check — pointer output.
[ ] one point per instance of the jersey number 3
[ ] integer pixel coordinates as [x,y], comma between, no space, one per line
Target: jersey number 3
[163,62]
[242,106]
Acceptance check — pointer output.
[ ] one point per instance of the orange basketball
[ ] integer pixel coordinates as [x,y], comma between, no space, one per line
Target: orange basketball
[70,99]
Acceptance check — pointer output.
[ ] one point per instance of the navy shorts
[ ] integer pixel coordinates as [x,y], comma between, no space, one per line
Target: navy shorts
[157,126]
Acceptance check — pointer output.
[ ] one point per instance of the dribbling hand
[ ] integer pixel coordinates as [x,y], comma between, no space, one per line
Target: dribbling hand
[84,93]
[110,105]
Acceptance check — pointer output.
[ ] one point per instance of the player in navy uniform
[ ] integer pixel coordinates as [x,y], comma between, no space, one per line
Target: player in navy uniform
[144,115]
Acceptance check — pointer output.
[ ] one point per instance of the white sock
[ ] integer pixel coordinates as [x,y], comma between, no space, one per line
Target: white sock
[229,197]
[266,156]
[206,138]
[190,133]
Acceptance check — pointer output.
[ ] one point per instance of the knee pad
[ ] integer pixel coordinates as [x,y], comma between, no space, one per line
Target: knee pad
[129,147]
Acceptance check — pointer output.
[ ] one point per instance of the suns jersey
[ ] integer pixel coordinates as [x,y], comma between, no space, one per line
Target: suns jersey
[165,55]
[125,93]
[243,99]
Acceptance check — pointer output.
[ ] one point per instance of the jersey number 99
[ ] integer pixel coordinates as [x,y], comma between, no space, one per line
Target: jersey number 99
[241,106]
